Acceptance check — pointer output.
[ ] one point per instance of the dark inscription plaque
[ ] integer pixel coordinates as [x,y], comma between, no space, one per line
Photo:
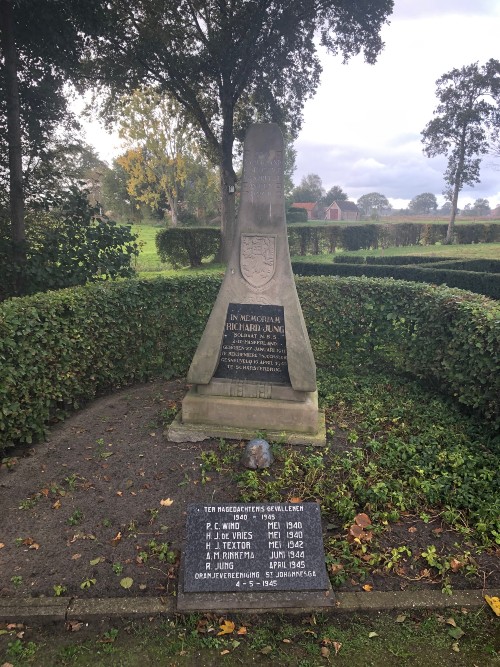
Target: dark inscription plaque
[254,344]
[259,547]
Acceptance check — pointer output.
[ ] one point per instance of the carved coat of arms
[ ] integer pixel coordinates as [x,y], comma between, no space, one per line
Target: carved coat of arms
[258,258]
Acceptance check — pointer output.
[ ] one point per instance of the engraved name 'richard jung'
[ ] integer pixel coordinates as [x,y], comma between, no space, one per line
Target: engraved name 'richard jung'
[254,344]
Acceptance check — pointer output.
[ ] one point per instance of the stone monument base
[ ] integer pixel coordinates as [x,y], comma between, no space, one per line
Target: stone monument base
[213,415]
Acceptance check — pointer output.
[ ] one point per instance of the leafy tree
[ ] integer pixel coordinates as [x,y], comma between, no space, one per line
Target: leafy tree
[446,208]
[373,204]
[40,41]
[118,203]
[467,120]
[310,189]
[232,62]
[159,143]
[200,194]
[335,193]
[481,207]
[425,204]
[67,246]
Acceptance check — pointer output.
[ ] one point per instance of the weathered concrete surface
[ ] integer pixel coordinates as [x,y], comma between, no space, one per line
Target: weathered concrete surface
[33,610]
[180,432]
[97,608]
[48,610]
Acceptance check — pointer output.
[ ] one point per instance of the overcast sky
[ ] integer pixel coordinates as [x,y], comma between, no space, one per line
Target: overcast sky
[362,128]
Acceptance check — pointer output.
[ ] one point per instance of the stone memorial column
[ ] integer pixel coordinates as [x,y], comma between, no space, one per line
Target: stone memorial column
[254,368]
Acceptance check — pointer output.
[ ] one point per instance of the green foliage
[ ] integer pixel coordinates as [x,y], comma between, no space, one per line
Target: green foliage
[68,246]
[485,283]
[318,239]
[296,215]
[436,456]
[188,245]
[465,122]
[62,348]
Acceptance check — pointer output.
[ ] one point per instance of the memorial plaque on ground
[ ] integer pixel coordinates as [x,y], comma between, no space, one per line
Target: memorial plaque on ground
[254,547]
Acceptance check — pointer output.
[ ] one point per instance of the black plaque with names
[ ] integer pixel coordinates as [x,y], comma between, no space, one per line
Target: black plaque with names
[254,547]
[254,344]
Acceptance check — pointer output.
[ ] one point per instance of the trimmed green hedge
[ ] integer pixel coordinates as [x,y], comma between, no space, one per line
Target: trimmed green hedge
[183,246]
[187,246]
[487,284]
[60,349]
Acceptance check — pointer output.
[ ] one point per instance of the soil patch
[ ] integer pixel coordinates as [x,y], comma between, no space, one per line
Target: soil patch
[105,498]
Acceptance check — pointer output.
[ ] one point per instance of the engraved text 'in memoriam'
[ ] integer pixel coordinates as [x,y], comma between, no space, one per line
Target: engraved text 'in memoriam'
[254,344]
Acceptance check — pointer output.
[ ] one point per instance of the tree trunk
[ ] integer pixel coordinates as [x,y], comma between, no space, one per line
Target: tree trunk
[451,225]
[227,184]
[18,229]
[174,211]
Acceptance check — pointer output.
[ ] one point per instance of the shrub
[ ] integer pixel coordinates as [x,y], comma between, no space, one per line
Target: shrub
[187,246]
[294,215]
[67,246]
[62,348]
[487,284]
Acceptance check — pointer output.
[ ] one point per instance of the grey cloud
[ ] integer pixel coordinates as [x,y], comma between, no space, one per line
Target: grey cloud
[411,9]
[396,175]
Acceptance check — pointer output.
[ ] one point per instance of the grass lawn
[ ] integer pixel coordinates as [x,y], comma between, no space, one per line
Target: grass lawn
[469,251]
[388,640]
[148,264]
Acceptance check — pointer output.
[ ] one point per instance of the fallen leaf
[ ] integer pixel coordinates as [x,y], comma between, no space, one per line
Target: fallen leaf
[242,630]
[225,651]
[372,634]
[325,652]
[266,650]
[2,545]
[336,567]
[76,556]
[235,643]
[367,588]
[226,628]
[287,641]
[44,492]
[74,626]
[437,531]
[401,618]
[34,546]
[295,500]
[362,520]
[455,647]
[28,541]
[337,646]
[116,538]
[494,603]
[7,664]
[96,561]
[106,455]
[166,502]
[456,633]
[356,531]
[126,582]
[451,621]
[56,505]
[455,565]
[412,529]
[119,493]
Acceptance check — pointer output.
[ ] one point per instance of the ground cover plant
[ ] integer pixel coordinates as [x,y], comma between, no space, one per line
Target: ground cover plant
[455,638]
[406,487]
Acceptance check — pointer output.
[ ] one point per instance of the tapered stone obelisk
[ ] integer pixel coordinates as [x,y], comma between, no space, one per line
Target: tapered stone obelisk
[254,368]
